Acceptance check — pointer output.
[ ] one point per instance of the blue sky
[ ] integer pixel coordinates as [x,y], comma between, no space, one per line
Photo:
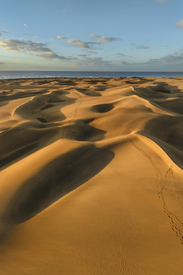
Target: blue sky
[97,35]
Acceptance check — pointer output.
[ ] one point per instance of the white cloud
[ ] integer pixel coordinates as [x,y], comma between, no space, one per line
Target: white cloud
[121,54]
[51,55]
[31,48]
[79,43]
[102,38]
[51,39]
[91,45]
[173,58]
[25,25]
[85,45]
[30,34]
[23,45]
[179,24]
[96,62]
[3,30]
[168,60]
[89,51]
[62,37]
[144,47]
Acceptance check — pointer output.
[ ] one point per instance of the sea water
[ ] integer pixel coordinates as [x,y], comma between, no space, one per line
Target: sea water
[50,74]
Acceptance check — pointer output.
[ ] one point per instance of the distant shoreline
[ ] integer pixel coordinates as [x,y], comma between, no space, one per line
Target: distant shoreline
[82,74]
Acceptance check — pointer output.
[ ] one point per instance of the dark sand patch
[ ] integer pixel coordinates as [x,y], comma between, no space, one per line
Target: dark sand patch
[88,92]
[102,108]
[173,105]
[55,180]
[47,107]
[24,136]
[167,132]
[82,131]
[137,80]
[17,154]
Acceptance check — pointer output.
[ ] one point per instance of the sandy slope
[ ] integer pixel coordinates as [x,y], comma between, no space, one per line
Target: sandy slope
[91,177]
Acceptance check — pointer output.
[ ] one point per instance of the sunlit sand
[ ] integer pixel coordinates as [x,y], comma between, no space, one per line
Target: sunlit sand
[91,178]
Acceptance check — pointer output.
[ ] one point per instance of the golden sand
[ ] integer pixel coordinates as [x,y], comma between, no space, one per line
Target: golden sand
[91,178]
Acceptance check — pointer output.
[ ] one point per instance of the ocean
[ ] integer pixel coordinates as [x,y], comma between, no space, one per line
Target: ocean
[50,74]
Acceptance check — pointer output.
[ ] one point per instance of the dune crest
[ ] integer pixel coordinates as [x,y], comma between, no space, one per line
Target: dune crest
[91,176]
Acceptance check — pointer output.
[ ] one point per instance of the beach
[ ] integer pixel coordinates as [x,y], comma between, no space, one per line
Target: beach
[91,178]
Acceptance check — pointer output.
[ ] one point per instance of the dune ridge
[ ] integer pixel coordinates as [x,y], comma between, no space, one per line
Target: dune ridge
[91,178]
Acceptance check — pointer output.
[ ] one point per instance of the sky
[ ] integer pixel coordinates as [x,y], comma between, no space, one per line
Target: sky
[91,35]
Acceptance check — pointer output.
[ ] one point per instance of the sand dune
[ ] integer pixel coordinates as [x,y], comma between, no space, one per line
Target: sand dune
[91,178]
